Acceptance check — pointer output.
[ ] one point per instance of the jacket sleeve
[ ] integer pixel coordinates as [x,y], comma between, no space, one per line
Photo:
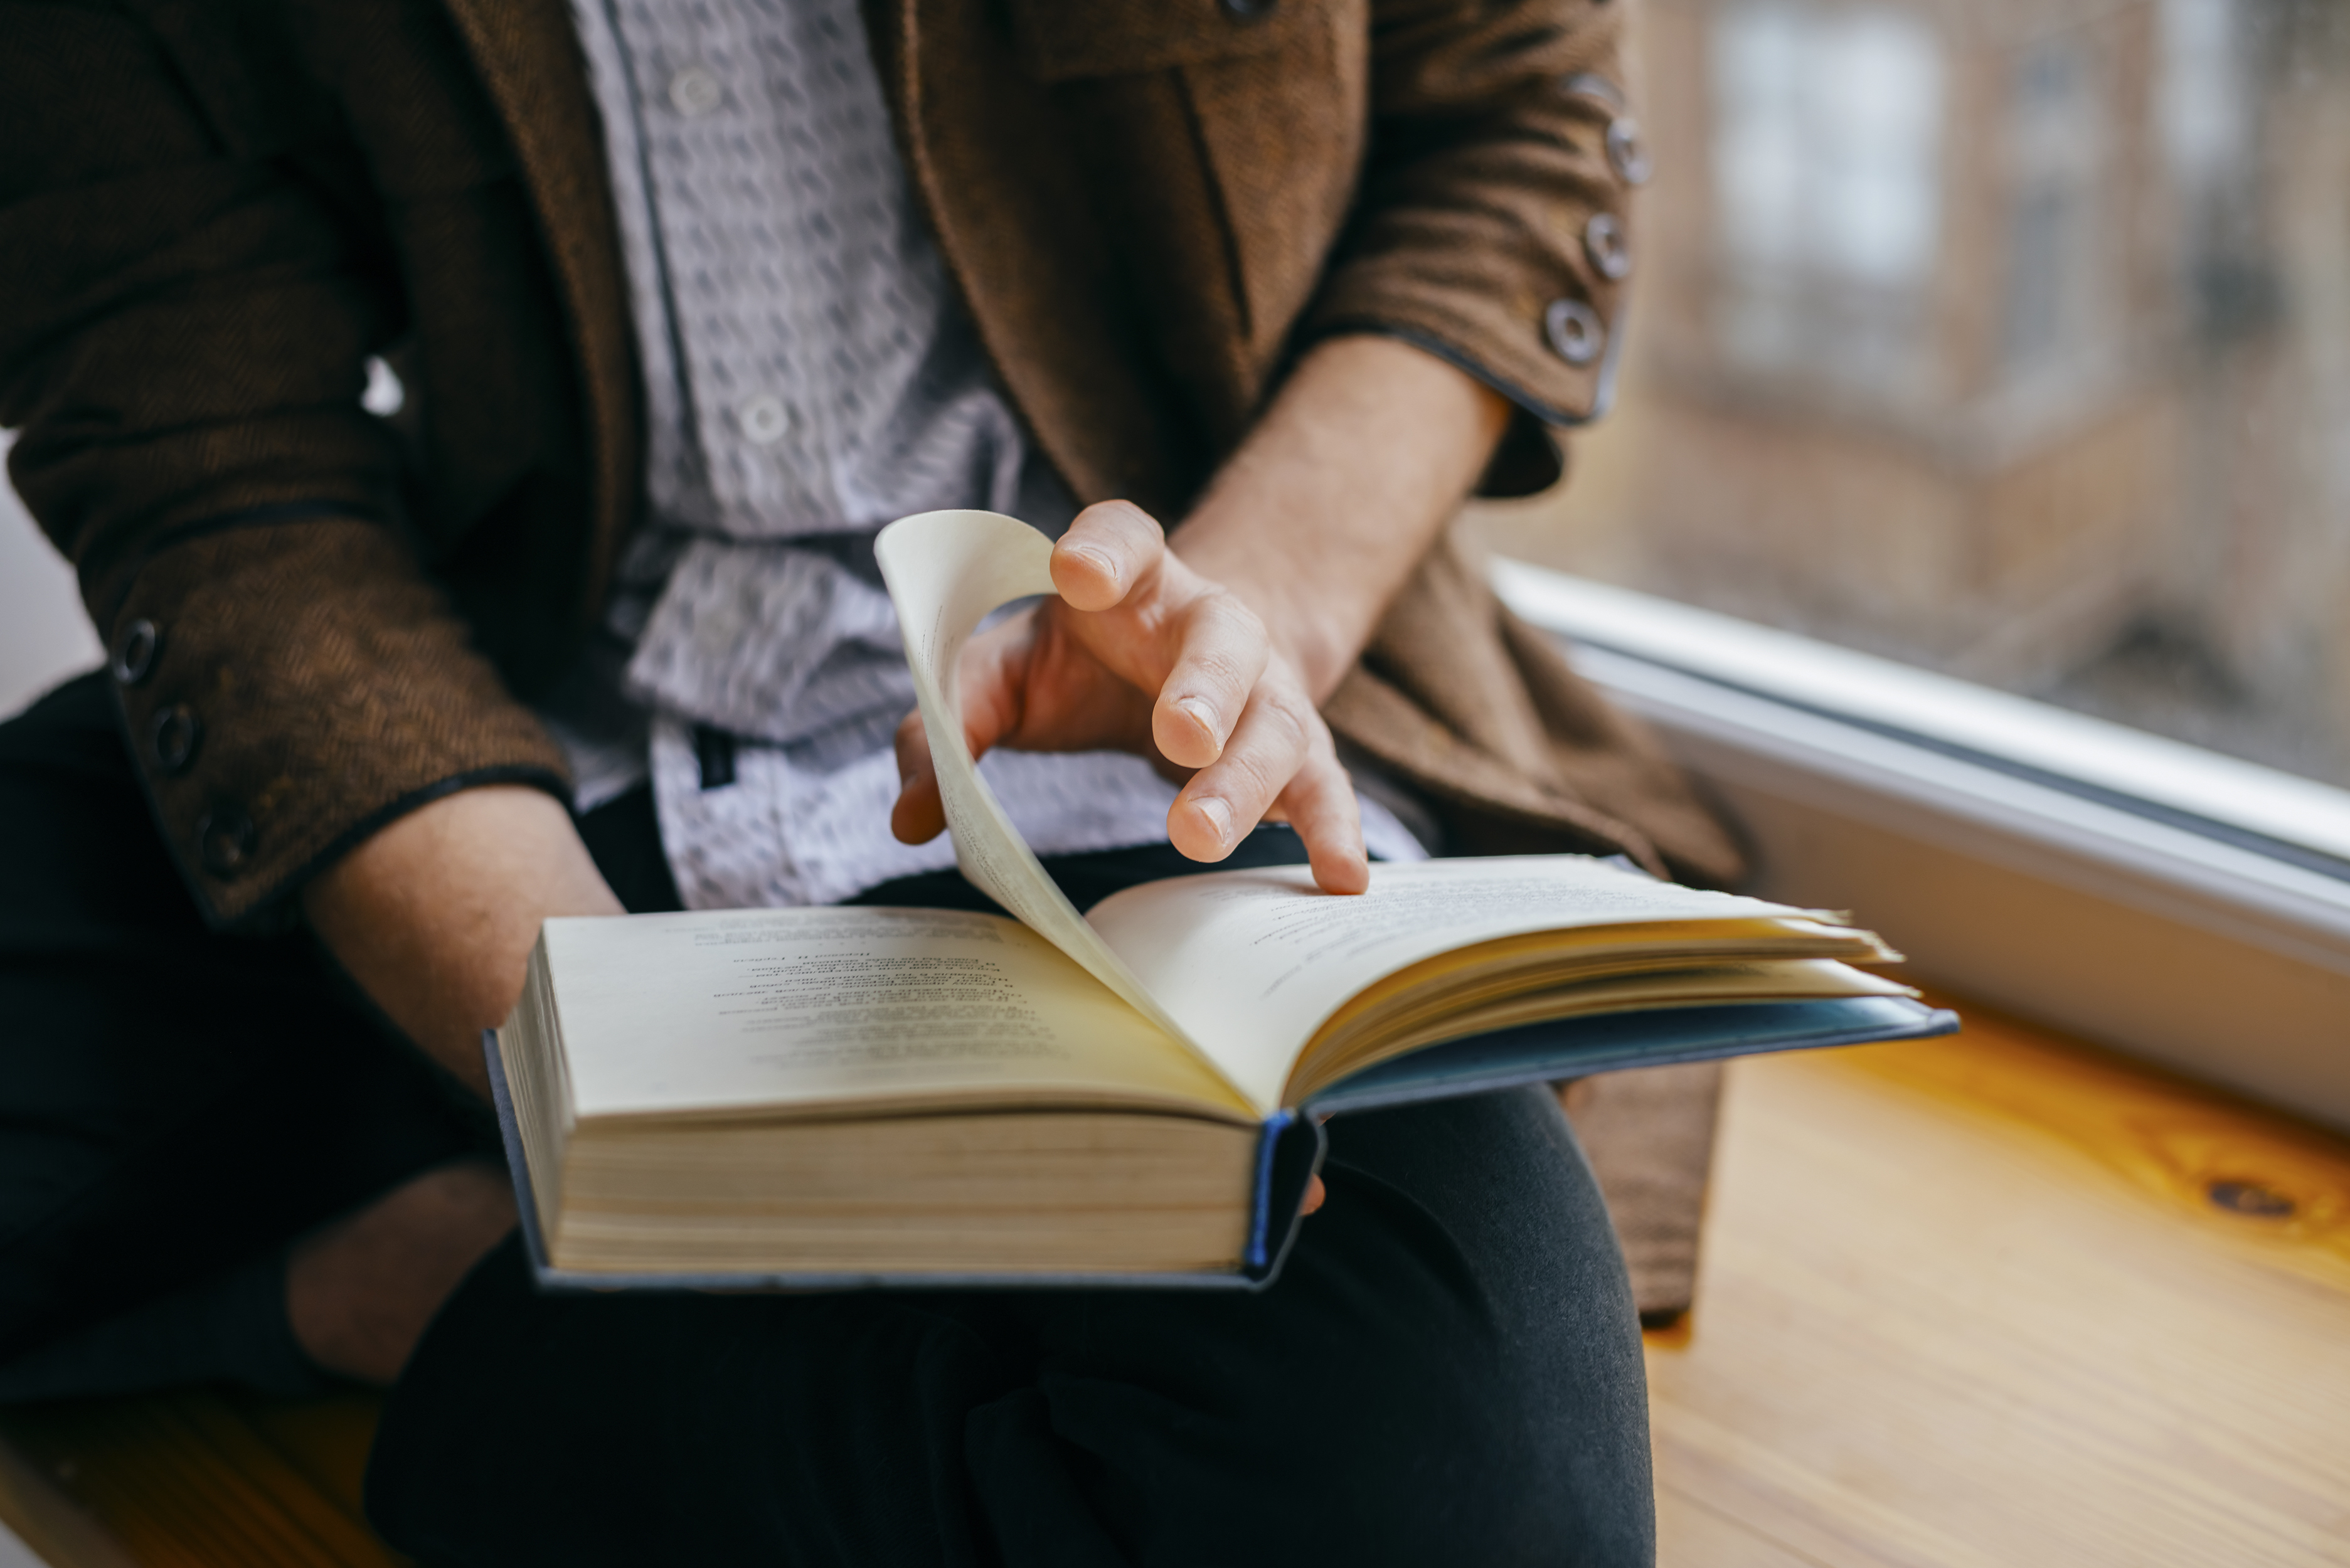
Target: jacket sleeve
[183,328]
[1493,227]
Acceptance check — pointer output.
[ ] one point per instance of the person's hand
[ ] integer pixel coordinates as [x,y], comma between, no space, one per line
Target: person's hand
[1140,653]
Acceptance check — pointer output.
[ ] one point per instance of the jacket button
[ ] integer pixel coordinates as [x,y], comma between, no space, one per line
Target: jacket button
[1249,10]
[1575,330]
[1627,154]
[135,650]
[225,840]
[1604,242]
[172,735]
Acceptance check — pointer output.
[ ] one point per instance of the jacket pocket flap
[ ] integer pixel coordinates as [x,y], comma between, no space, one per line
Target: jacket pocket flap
[1058,40]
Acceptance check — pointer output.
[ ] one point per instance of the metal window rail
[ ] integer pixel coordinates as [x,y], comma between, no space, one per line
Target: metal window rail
[2171,903]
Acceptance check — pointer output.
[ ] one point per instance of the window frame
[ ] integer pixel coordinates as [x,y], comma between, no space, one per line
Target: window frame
[2172,903]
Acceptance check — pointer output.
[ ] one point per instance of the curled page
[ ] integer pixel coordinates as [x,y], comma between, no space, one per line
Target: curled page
[1253,963]
[948,571]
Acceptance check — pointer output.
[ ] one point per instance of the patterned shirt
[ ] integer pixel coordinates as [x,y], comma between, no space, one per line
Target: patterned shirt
[809,376]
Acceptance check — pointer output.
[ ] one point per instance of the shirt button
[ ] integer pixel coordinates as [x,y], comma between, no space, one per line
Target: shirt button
[1627,154]
[171,737]
[694,92]
[1602,241]
[224,841]
[135,650]
[763,419]
[1575,330]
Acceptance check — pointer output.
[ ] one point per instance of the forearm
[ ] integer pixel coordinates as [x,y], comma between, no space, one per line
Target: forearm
[435,915]
[1316,522]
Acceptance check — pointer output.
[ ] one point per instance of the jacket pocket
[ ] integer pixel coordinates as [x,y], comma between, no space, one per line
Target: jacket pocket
[1064,40]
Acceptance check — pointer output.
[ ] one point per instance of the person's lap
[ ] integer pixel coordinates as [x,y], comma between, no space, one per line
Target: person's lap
[1446,1370]
[1448,1366]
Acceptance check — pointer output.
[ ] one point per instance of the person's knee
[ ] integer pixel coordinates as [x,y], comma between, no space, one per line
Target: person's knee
[1471,1447]
[1511,1467]
[1448,1370]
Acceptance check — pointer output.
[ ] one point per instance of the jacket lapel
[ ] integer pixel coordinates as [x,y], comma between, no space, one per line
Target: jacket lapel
[528,59]
[990,160]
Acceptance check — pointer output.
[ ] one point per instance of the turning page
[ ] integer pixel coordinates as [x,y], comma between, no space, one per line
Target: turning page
[948,571]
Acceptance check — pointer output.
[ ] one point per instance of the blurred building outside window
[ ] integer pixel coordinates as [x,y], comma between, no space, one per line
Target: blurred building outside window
[2008,338]
[1826,192]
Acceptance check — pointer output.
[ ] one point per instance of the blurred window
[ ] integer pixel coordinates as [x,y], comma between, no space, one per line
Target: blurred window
[2056,173]
[2008,338]
[1827,133]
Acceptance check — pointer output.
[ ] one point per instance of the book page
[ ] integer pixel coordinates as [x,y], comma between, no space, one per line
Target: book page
[1251,962]
[804,1011]
[1764,980]
[948,571]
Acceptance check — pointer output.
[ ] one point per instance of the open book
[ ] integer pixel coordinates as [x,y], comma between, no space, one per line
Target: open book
[863,1096]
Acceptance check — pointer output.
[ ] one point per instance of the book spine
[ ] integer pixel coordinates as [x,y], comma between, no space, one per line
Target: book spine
[1261,1222]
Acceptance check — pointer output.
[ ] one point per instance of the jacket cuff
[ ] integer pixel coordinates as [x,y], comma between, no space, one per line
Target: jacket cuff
[1509,260]
[287,690]
[1532,454]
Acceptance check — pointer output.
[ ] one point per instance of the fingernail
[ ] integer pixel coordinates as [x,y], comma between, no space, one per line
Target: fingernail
[1217,814]
[1202,714]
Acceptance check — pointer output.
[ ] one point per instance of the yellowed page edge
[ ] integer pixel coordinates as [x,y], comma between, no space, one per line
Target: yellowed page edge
[1725,984]
[1253,962]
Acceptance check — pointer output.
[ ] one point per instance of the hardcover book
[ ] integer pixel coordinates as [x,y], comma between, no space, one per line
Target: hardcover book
[826,1097]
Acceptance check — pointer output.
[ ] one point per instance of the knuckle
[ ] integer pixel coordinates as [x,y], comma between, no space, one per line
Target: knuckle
[1217,668]
[1222,634]
[1131,514]
[1127,524]
[1321,782]
[1220,607]
[1255,765]
[1293,724]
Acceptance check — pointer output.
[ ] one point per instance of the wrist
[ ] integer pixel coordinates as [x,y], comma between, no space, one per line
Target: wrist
[1318,520]
[435,915]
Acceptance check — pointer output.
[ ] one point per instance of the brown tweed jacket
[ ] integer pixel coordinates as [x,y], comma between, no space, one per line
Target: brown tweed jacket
[211,214]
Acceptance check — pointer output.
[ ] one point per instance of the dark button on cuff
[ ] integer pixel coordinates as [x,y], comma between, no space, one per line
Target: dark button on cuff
[173,736]
[135,650]
[1604,242]
[1249,10]
[1575,330]
[1627,154]
[225,840]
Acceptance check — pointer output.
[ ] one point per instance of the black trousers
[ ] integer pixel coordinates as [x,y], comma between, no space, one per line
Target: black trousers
[1447,1371]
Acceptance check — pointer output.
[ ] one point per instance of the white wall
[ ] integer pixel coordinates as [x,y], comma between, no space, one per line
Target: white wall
[44,635]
